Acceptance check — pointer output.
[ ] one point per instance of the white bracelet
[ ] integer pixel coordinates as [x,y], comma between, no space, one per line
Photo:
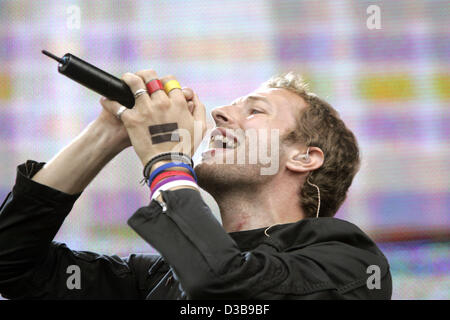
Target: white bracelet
[177,183]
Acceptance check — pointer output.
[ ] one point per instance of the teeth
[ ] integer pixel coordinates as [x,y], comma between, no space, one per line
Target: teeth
[213,138]
[229,143]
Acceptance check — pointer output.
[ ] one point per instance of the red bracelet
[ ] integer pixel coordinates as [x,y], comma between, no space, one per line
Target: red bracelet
[166,174]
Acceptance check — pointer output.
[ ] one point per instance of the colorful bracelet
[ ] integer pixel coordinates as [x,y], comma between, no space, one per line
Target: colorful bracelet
[167,174]
[179,156]
[170,165]
[172,184]
[168,180]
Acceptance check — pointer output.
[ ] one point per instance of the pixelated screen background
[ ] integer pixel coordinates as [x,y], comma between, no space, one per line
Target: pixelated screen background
[391,85]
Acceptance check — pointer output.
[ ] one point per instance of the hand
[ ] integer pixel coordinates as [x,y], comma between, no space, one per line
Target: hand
[182,107]
[113,126]
[109,123]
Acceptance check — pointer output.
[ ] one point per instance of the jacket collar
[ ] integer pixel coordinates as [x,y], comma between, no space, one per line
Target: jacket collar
[250,239]
[303,233]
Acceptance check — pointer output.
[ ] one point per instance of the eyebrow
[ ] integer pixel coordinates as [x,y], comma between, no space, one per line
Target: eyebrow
[255,98]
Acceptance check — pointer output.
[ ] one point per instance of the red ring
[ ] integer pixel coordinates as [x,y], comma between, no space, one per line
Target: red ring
[154,85]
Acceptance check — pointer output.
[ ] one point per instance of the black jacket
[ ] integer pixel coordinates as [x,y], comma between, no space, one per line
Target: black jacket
[324,258]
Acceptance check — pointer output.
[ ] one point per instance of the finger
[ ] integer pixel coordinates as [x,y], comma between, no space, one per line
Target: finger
[149,75]
[113,106]
[199,114]
[135,83]
[175,95]
[191,106]
[199,111]
[188,93]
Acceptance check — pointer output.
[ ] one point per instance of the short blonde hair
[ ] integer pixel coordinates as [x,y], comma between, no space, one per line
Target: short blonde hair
[319,125]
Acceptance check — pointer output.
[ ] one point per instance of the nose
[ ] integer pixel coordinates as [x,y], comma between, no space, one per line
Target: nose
[222,115]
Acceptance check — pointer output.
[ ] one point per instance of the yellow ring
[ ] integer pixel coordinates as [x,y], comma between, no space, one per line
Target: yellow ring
[170,85]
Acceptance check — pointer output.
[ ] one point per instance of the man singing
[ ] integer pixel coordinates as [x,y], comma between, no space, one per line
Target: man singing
[278,238]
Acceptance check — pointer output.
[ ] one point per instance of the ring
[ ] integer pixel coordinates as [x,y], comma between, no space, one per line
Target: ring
[154,85]
[120,111]
[139,93]
[170,85]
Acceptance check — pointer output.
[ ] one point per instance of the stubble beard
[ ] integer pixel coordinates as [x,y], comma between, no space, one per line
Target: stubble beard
[244,174]
[220,179]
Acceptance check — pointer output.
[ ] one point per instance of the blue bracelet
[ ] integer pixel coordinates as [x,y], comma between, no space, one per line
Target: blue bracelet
[170,165]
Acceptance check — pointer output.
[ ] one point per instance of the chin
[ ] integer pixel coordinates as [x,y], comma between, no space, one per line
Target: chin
[211,175]
[219,177]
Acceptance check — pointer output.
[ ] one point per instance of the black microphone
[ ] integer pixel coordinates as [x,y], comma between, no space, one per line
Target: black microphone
[94,78]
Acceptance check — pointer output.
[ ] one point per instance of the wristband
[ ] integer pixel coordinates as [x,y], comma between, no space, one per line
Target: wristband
[168,180]
[167,174]
[173,184]
[166,156]
[171,165]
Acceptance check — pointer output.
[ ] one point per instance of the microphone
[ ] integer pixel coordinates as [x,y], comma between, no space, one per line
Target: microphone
[94,78]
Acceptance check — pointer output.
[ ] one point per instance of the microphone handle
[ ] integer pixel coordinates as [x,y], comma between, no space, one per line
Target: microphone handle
[96,79]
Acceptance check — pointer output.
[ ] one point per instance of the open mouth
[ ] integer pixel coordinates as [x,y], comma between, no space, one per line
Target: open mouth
[223,139]
[222,142]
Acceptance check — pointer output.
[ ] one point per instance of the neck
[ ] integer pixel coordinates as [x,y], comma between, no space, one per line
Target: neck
[260,206]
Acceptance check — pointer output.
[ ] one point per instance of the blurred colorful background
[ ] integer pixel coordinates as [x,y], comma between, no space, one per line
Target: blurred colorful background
[386,70]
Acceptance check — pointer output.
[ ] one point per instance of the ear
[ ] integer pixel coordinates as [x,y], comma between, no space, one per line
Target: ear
[299,160]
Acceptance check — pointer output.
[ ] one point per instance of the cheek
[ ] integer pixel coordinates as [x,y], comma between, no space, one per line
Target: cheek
[266,127]
[250,117]
[262,139]
[256,122]
[262,126]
